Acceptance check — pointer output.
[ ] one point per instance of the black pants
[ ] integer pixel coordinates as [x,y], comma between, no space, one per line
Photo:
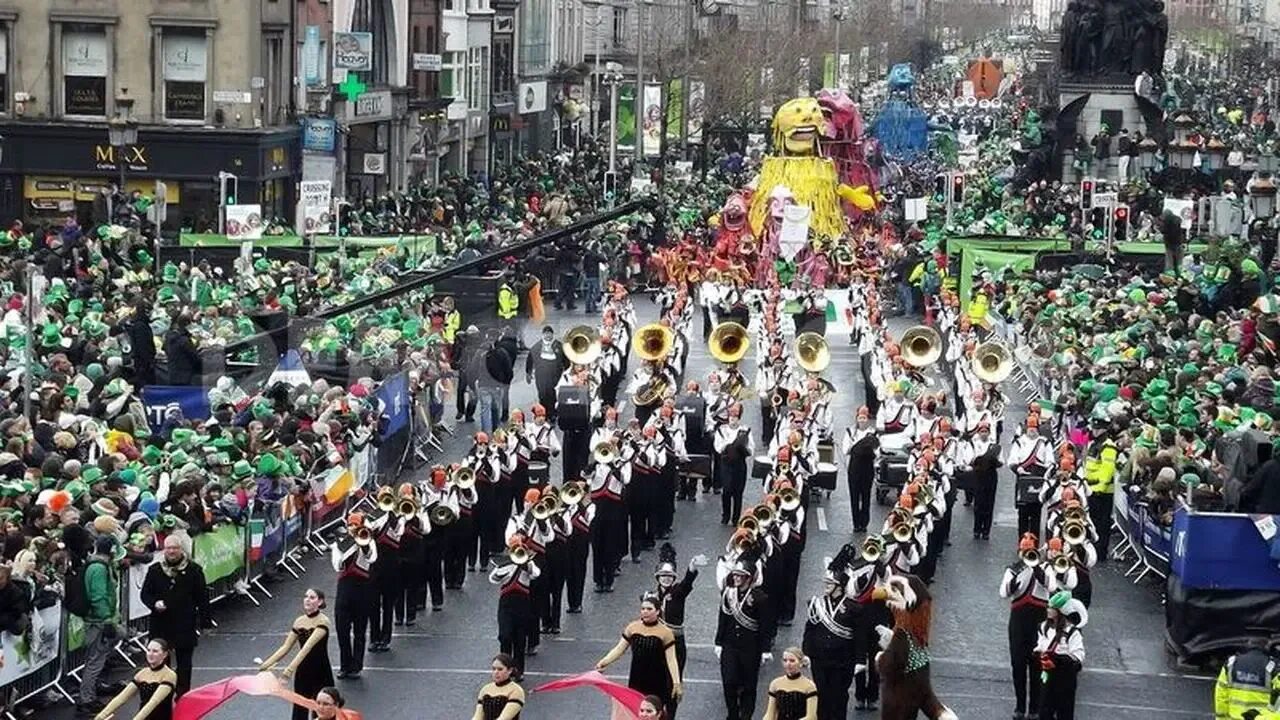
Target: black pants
[944,526]
[576,449]
[389,592]
[413,582]
[515,626]
[984,503]
[491,522]
[734,479]
[767,422]
[740,676]
[351,616]
[182,659]
[466,397]
[866,685]
[861,479]
[547,397]
[1023,624]
[642,499]
[460,541]
[579,546]
[1101,506]
[555,565]
[1029,519]
[792,554]
[833,681]
[433,568]
[1059,699]
[608,540]
[664,503]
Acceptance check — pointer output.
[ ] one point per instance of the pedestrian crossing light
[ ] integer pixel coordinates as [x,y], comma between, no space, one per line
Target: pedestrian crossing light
[1120,223]
[1086,194]
[940,188]
[957,190]
[228,188]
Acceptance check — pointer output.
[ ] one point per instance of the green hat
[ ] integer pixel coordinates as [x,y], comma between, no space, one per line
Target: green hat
[268,465]
[1159,407]
[183,437]
[1190,367]
[1189,479]
[152,455]
[179,457]
[170,273]
[241,470]
[1262,421]
[166,295]
[91,474]
[1188,421]
[261,265]
[129,476]
[261,410]
[1227,353]
[1213,388]
[1156,388]
[1149,438]
[51,335]
[1059,599]
[76,489]
[1186,404]
[144,257]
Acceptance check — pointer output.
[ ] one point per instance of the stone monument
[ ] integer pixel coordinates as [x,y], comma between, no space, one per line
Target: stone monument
[1104,46]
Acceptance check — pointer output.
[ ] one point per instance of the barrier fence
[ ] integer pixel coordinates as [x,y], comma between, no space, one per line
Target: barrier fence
[236,559]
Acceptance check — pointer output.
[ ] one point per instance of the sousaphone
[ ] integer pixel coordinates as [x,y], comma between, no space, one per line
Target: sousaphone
[653,342]
[812,352]
[921,346]
[728,342]
[581,345]
[992,362]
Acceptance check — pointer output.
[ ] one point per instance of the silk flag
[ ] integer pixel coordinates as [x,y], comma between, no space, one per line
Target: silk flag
[626,702]
[201,701]
[337,484]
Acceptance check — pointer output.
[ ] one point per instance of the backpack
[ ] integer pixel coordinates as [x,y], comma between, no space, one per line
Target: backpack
[76,598]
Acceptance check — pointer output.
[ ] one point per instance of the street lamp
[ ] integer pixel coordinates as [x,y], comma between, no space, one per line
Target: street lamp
[613,78]
[1262,196]
[1215,153]
[1147,155]
[122,131]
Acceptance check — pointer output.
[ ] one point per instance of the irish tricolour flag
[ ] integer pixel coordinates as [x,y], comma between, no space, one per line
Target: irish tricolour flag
[337,483]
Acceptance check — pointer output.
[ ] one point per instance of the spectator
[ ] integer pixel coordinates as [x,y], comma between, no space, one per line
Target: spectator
[101,624]
[175,591]
[180,351]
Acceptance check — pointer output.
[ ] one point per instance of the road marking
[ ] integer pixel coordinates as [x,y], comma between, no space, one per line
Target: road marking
[822,519]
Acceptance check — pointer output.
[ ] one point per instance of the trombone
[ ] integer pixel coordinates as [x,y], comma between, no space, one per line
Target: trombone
[441,514]
[812,352]
[788,499]
[992,362]
[386,499]
[1061,564]
[1074,532]
[921,346]
[581,345]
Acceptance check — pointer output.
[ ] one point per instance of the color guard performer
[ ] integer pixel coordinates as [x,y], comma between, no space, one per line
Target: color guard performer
[671,596]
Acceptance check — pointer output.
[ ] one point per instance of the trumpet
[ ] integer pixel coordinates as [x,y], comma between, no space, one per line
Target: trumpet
[464,478]
[386,499]
[921,346]
[1061,564]
[872,548]
[764,514]
[742,540]
[546,507]
[1031,557]
[363,536]
[1074,532]
[1074,513]
[408,507]
[751,524]
[581,345]
[902,531]
[519,555]
[441,515]
[812,352]
[572,493]
[789,499]
[992,362]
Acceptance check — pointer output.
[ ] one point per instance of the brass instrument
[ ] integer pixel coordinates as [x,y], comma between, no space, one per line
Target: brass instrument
[386,499]
[552,503]
[441,515]
[1075,513]
[605,452]
[742,540]
[581,345]
[992,362]
[572,493]
[1031,557]
[872,548]
[728,342]
[653,342]
[750,523]
[921,346]
[1074,532]
[778,397]
[542,510]
[363,536]
[1061,564]
[408,507]
[902,531]
[519,555]
[764,514]
[464,478]
[651,392]
[812,352]
[789,499]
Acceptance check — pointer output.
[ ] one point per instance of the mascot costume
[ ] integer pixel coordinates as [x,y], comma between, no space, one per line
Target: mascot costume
[901,126]
[903,663]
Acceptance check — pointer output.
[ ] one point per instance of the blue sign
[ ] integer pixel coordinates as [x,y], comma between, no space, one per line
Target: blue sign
[193,401]
[394,395]
[1222,551]
[319,134]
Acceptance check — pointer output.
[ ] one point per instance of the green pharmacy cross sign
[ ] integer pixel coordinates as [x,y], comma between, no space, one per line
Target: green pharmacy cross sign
[352,87]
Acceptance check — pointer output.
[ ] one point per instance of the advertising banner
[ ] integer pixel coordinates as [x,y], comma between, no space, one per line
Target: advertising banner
[313,206]
[652,119]
[532,97]
[244,222]
[353,51]
[192,401]
[697,109]
[220,553]
[22,655]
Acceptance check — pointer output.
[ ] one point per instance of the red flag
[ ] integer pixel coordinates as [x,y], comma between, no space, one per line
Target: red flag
[626,702]
[199,702]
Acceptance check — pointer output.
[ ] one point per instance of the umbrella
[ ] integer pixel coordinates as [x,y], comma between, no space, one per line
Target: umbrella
[626,702]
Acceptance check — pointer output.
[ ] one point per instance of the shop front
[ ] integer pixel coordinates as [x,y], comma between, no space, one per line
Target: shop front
[50,171]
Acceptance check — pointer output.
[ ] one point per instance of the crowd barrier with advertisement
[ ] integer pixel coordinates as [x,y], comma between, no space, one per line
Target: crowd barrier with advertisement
[236,559]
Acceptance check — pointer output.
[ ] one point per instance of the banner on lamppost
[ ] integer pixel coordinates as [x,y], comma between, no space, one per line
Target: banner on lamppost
[766,92]
[829,71]
[653,126]
[802,78]
[697,109]
[675,109]
[626,131]
[844,76]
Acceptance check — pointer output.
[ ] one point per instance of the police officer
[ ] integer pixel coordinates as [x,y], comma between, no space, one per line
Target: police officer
[1248,681]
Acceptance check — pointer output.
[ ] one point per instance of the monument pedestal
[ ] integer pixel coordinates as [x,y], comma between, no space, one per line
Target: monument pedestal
[1085,108]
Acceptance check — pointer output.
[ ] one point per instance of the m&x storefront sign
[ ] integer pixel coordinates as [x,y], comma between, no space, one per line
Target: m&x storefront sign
[109,157]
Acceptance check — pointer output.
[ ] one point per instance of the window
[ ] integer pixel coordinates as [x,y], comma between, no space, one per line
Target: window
[371,16]
[186,69]
[84,70]
[275,96]
[451,73]
[477,78]
[502,79]
[451,5]
[4,67]
[619,25]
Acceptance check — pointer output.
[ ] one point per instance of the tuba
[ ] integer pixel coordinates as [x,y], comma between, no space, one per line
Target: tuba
[921,346]
[581,345]
[992,362]
[728,342]
[812,353]
[441,515]
[653,342]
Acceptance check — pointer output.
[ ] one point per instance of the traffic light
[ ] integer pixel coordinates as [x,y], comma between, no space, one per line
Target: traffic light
[1097,218]
[1120,223]
[957,189]
[940,188]
[1086,194]
[228,188]
[610,185]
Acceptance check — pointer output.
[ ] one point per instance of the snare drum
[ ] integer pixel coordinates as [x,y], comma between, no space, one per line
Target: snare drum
[826,453]
[539,473]
[761,466]
[825,477]
[698,466]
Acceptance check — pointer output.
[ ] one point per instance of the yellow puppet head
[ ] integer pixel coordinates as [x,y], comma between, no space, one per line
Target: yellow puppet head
[796,126]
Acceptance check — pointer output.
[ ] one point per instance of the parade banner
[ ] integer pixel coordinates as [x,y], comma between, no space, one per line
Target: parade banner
[220,552]
[22,655]
[626,116]
[314,201]
[697,109]
[244,222]
[675,110]
[652,104]
[795,230]
[195,240]
[192,401]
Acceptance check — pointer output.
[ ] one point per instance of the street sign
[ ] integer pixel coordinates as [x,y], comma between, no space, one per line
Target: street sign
[427,62]
[234,97]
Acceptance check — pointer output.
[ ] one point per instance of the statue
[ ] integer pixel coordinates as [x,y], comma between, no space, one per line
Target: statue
[1066,46]
[1113,38]
[1088,39]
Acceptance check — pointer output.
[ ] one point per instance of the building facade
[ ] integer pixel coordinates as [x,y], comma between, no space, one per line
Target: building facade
[210,86]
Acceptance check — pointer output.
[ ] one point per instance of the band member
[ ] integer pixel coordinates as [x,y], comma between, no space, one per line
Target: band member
[860,446]
[435,543]
[546,445]
[1060,647]
[609,480]
[735,449]
[1061,574]
[489,518]
[516,621]
[654,669]
[412,556]
[644,490]
[1024,585]
[791,516]
[576,422]
[895,422]
[868,569]
[460,540]
[387,531]
[718,402]
[356,595]
[657,378]
[673,439]
[557,561]
[544,366]
[742,635]
[983,457]
[611,366]
[520,446]
[830,640]
[773,377]
[672,595]
[531,527]
[1031,458]
[792,696]
[581,513]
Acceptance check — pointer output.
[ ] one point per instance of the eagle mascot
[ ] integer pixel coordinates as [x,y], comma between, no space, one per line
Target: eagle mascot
[903,661]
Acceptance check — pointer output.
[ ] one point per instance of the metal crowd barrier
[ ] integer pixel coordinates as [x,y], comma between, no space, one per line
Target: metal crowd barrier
[295,538]
[1149,544]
